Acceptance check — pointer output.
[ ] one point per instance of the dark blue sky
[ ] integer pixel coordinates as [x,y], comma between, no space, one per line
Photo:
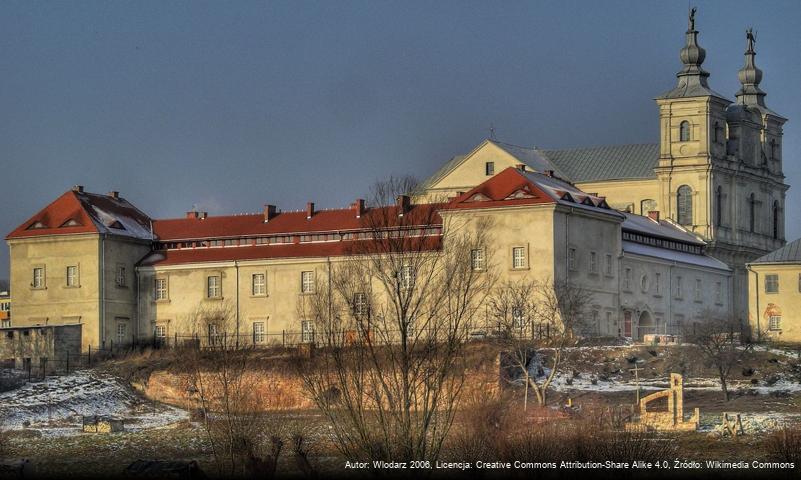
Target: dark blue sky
[229,105]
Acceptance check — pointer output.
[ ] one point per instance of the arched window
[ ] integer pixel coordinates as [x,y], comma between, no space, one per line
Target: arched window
[684,131]
[719,206]
[776,219]
[751,212]
[647,205]
[684,205]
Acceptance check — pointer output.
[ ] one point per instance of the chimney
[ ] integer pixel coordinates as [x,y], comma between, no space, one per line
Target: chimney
[196,215]
[114,194]
[77,188]
[654,215]
[309,210]
[269,212]
[521,167]
[358,206]
[403,204]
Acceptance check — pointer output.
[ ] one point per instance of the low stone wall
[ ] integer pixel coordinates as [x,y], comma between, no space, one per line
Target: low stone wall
[40,347]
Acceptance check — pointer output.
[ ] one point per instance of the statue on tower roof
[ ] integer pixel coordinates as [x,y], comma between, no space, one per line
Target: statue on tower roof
[692,19]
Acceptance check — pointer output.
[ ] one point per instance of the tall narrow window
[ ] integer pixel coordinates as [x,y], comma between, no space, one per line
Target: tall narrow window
[306,282]
[627,279]
[776,219]
[684,131]
[360,305]
[121,276]
[213,287]
[684,205]
[406,277]
[571,258]
[697,292]
[608,265]
[771,283]
[72,276]
[258,285]
[489,168]
[719,206]
[122,332]
[259,333]
[307,331]
[679,292]
[38,278]
[477,259]
[715,137]
[752,213]
[593,262]
[518,257]
[161,289]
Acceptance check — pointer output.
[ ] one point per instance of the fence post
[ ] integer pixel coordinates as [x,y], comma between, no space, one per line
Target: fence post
[90,355]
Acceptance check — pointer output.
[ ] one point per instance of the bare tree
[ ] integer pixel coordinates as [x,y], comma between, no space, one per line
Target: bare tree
[243,440]
[722,343]
[536,321]
[392,321]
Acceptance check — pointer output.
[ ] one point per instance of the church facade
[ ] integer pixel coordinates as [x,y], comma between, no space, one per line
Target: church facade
[716,170]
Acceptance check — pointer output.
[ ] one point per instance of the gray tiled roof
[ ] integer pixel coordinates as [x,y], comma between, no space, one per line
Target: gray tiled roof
[613,162]
[790,253]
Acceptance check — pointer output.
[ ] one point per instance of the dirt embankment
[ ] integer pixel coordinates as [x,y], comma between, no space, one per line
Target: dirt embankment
[279,387]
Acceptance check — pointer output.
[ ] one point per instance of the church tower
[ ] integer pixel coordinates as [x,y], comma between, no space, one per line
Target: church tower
[720,171]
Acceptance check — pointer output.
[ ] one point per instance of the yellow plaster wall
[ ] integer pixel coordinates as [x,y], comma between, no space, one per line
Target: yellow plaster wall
[787,302]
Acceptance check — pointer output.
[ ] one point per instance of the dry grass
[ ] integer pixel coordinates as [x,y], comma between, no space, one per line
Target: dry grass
[785,444]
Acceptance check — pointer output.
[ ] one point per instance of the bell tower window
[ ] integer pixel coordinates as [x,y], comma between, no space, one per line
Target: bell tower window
[751,213]
[684,205]
[719,206]
[684,131]
[776,220]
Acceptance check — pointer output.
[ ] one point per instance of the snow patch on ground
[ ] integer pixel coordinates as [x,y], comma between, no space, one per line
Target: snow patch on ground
[56,405]
[590,383]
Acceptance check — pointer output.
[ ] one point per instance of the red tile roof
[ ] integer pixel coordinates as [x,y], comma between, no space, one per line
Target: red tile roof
[81,212]
[263,252]
[286,223]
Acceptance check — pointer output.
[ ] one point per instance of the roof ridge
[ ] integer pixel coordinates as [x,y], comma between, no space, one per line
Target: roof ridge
[595,147]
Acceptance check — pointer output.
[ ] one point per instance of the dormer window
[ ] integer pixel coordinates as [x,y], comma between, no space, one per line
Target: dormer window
[70,223]
[36,225]
[684,131]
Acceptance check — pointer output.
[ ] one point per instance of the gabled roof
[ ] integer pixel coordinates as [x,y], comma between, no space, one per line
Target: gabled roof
[790,253]
[513,187]
[77,212]
[612,162]
[577,165]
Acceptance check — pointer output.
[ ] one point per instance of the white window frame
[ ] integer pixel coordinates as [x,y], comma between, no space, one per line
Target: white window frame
[160,292]
[593,262]
[259,332]
[306,331]
[775,322]
[519,258]
[307,282]
[160,331]
[698,289]
[679,294]
[406,277]
[609,264]
[213,286]
[571,259]
[72,276]
[627,279]
[361,306]
[38,280]
[122,332]
[518,318]
[477,260]
[258,284]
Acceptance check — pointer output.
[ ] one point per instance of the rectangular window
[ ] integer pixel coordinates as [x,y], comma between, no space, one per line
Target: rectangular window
[306,282]
[406,277]
[519,257]
[697,291]
[258,284]
[360,305]
[160,332]
[259,333]
[214,335]
[571,258]
[213,289]
[627,279]
[658,284]
[775,322]
[72,276]
[518,318]
[608,264]
[719,293]
[38,278]
[121,276]
[771,283]
[161,289]
[122,332]
[593,262]
[307,331]
[489,168]
[477,259]
[679,293]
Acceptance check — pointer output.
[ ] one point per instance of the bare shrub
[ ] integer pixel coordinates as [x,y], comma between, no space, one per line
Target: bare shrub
[785,444]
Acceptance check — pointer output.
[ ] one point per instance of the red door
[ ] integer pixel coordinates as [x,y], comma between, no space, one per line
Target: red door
[627,324]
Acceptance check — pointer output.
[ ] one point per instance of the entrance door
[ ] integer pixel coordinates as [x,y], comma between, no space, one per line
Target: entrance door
[627,324]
